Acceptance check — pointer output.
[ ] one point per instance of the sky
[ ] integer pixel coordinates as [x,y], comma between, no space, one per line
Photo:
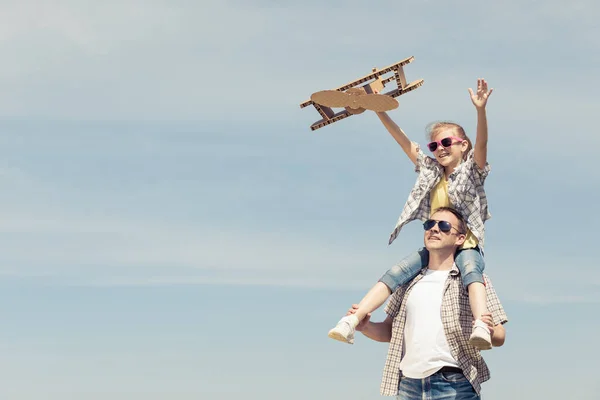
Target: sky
[171,228]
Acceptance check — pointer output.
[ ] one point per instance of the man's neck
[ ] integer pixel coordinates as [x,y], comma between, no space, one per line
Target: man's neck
[441,260]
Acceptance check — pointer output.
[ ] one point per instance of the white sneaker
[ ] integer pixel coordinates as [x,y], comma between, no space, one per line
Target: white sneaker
[480,338]
[344,330]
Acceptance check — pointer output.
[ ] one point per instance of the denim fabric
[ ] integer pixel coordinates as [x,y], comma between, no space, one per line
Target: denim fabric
[457,322]
[439,386]
[470,263]
[405,270]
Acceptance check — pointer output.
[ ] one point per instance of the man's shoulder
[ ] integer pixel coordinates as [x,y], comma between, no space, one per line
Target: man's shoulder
[486,278]
[401,290]
[397,298]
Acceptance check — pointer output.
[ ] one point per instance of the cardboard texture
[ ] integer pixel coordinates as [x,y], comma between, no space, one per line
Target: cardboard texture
[357,96]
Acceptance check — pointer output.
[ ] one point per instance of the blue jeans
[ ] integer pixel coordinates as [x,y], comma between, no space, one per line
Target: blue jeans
[439,386]
[470,263]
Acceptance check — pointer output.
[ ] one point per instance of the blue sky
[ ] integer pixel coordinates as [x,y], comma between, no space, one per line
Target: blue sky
[171,228]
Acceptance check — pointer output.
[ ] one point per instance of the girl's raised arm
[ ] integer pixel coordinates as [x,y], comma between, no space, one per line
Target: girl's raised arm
[409,147]
[479,100]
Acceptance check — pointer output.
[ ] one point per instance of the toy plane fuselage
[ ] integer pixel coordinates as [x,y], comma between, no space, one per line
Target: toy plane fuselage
[374,82]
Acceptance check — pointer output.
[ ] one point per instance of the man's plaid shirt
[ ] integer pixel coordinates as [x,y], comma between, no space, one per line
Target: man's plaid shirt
[465,192]
[457,322]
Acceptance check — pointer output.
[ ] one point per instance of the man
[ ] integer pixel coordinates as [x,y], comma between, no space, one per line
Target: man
[429,322]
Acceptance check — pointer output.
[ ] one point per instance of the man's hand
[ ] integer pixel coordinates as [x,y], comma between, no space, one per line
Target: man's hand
[378,331]
[497,332]
[489,321]
[480,98]
[361,325]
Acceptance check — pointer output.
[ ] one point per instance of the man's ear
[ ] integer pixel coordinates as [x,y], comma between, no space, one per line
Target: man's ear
[460,239]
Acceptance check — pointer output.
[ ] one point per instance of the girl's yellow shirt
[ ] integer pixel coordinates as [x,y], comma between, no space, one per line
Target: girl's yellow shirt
[439,198]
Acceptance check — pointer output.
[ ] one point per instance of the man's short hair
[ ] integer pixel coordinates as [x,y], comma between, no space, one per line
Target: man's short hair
[462,225]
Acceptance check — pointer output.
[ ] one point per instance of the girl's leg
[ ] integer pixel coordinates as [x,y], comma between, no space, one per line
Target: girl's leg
[477,299]
[470,262]
[374,298]
[398,275]
[395,277]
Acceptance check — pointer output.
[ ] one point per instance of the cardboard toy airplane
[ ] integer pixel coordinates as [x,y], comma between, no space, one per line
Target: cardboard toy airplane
[356,99]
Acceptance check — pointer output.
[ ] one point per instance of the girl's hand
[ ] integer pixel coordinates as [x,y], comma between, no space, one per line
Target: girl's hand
[480,98]
[364,321]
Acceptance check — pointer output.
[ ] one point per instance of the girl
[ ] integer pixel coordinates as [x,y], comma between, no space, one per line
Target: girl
[454,178]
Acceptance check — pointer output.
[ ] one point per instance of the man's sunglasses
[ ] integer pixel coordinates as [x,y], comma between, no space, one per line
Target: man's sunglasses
[444,226]
[445,142]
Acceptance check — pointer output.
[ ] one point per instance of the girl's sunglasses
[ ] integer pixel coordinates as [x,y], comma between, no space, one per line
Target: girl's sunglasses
[444,226]
[445,142]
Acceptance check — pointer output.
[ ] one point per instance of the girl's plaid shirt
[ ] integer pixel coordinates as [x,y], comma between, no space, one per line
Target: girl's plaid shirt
[465,190]
[457,322]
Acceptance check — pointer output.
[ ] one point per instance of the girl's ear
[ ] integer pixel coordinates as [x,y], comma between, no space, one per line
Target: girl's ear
[465,145]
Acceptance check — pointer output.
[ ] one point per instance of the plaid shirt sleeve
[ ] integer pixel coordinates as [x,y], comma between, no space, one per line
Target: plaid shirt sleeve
[423,161]
[393,305]
[480,174]
[493,303]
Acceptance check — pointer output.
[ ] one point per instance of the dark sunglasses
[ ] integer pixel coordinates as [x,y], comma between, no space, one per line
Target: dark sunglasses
[445,142]
[444,226]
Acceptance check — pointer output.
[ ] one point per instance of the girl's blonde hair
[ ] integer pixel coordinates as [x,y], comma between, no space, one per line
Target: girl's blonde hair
[435,127]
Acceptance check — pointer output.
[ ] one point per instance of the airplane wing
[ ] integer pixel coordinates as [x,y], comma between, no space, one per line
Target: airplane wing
[377,102]
[331,98]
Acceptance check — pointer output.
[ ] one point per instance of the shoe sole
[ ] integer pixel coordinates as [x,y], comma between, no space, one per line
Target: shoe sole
[337,336]
[480,343]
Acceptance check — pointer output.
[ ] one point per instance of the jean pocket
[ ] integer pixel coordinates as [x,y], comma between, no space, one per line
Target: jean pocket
[453,376]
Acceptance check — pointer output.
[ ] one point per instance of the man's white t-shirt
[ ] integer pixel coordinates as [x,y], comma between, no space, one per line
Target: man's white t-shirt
[426,348]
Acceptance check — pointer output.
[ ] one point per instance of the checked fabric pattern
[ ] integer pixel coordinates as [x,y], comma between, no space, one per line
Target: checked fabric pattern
[465,191]
[457,322]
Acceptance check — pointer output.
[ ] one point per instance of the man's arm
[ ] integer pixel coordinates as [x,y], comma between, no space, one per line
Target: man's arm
[498,335]
[381,331]
[497,331]
[496,317]
[378,331]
